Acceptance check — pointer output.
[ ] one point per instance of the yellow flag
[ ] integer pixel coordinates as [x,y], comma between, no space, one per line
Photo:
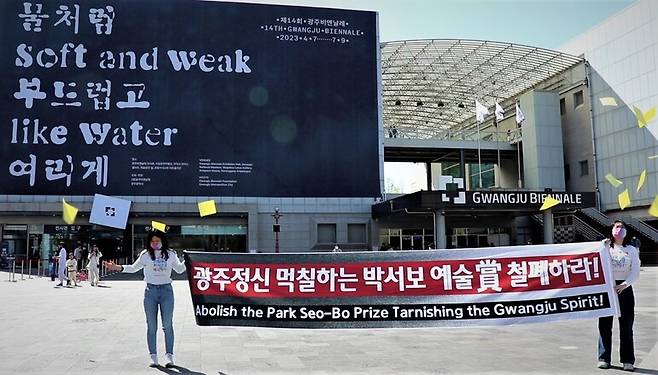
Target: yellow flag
[624,199]
[69,212]
[640,183]
[613,180]
[162,227]
[608,101]
[644,118]
[207,208]
[548,203]
[653,210]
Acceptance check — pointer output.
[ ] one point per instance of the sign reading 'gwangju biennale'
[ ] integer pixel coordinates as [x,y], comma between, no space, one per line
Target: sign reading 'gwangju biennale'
[126,97]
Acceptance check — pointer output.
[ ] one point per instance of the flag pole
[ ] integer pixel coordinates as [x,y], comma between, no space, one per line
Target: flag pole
[479,159]
[497,149]
[497,176]
[518,156]
[518,144]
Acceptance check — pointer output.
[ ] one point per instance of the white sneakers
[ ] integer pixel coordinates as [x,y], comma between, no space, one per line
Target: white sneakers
[170,360]
[168,364]
[606,365]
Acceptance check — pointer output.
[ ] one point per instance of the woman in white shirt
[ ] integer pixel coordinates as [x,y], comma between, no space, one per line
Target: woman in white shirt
[625,260]
[157,261]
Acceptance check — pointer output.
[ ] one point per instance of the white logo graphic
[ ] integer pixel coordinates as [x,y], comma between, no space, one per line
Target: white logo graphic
[454,188]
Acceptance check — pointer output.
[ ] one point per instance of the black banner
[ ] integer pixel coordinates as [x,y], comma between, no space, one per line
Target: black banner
[123,97]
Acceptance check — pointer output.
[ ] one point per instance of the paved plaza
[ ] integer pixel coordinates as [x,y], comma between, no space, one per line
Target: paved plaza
[89,330]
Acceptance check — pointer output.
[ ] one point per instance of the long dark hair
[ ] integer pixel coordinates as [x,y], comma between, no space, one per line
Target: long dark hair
[626,239]
[165,244]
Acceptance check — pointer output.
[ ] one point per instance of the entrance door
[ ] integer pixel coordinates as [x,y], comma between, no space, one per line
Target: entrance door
[407,242]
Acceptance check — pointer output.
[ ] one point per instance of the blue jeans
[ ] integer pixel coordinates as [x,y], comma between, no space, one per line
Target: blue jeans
[161,296]
[626,318]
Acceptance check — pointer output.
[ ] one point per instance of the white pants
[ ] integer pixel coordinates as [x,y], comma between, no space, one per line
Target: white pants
[61,273]
[93,275]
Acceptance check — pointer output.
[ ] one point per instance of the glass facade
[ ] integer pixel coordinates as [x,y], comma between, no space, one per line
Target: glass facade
[488,176]
[406,239]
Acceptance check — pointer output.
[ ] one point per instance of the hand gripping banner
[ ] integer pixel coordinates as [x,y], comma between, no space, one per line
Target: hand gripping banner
[438,288]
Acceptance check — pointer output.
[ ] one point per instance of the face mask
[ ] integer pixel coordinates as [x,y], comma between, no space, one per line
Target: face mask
[619,233]
[156,245]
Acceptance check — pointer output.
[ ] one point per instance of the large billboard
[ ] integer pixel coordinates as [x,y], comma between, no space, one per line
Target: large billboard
[174,97]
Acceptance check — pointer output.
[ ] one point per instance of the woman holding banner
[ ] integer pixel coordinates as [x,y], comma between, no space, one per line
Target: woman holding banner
[157,261]
[625,261]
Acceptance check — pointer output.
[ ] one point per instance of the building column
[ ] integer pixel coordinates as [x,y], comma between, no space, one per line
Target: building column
[428,174]
[462,166]
[439,230]
[374,235]
[548,226]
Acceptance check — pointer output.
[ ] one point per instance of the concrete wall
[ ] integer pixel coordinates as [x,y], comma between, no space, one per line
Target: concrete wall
[298,225]
[623,56]
[577,138]
[543,163]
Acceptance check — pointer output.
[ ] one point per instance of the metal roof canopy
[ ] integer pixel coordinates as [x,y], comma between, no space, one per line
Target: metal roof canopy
[425,82]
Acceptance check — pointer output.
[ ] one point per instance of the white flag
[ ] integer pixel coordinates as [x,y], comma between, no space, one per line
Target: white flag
[519,115]
[480,111]
[109,211]
[500,112]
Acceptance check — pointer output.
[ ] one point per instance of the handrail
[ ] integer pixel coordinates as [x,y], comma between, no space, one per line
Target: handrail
[642,227]
[597,215]
[586,229]
[580,226]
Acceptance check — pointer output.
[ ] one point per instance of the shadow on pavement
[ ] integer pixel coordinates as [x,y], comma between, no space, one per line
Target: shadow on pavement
[179,370]
[639,370]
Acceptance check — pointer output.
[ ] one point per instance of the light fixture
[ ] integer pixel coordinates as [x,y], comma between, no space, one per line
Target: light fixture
[440,104]
[419,103]
[461,105]
[397,102]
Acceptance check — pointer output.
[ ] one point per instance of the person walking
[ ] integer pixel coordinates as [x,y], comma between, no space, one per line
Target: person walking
[77,253]
[72,269]
[93,261]
[52,266]
[61,274]
[157,261]
[625,261]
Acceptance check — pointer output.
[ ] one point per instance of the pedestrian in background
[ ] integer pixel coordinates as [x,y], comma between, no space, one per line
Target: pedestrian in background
[52,266]
[77,253]
[72,269]
[93,261]
[62,264]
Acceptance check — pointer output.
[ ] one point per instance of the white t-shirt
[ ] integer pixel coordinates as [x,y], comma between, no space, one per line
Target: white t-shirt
[625,262]
[156,271]
[94,260]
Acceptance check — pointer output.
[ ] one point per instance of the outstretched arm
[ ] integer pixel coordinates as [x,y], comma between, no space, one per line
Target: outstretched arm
[132,268]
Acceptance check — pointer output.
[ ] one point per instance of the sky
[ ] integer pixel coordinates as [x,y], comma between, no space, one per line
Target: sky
[539,23]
